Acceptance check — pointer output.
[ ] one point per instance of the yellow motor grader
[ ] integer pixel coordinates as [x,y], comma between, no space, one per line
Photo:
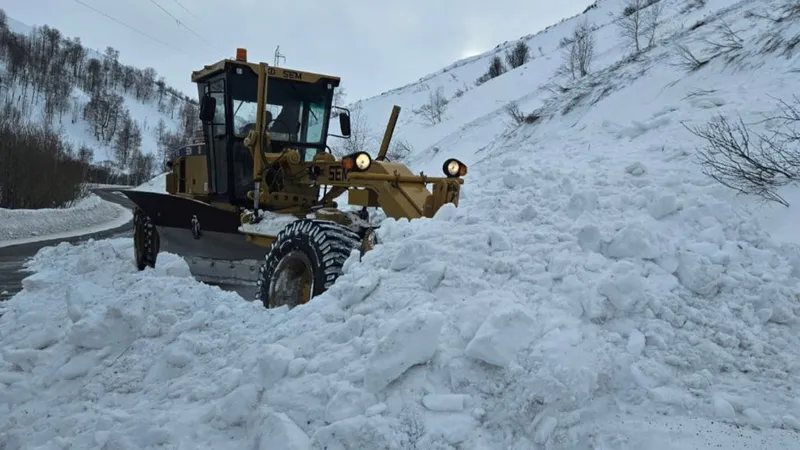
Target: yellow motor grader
[260,175]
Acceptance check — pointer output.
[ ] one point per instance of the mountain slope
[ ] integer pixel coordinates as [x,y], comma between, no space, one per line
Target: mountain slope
[593,290]
[123,92]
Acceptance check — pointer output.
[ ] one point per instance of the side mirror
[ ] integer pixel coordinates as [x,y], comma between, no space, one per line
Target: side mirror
[344,124]
[208,105]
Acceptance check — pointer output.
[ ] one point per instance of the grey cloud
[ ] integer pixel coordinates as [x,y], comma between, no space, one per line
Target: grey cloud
[373,45]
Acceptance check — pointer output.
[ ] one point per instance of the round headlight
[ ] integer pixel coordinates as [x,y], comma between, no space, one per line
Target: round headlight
[363,161]
[452,168]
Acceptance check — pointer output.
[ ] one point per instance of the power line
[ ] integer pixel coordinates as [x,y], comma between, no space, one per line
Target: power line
[181,23]
[184,8]
[126,25]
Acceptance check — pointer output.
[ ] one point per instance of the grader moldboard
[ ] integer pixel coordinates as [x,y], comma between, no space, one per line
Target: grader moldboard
[252,180]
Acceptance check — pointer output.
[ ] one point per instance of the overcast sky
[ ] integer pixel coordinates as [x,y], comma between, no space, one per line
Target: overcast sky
[374,45]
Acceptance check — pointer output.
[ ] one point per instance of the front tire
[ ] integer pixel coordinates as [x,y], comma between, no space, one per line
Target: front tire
[304,261]
[146,241]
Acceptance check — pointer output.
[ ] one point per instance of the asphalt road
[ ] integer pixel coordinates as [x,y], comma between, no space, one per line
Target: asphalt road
[12,259]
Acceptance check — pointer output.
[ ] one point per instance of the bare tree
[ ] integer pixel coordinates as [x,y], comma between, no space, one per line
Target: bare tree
[639,22]
[578,50]
[361,138]
[339,96]
[434,109]
[758,167]
[652,22]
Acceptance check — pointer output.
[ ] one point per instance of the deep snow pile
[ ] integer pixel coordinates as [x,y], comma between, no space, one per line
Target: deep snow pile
[491,326]
[91,214]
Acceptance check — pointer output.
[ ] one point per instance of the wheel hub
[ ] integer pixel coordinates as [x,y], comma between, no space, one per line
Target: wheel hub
[292,282]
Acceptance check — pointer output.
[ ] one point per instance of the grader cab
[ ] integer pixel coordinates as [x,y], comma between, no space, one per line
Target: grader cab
[260,174]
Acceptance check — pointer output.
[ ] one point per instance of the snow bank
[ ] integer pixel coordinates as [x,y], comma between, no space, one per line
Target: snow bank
[157,184]
[90,215]
[486,327]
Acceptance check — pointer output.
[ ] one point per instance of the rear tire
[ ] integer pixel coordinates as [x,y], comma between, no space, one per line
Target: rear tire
[304,261]
[146,241]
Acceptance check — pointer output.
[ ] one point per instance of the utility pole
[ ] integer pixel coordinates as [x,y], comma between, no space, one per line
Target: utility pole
[278,56]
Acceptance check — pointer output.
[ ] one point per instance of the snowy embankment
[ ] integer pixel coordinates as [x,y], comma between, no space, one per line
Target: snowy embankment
[90,215]
[494,325]
[157,184]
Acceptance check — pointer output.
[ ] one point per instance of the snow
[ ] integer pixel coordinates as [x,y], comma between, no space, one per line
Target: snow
[157,184]
[270,224]
[89,215]
[593,290]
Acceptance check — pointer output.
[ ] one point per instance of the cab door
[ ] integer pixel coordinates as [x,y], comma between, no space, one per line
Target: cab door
[216,132]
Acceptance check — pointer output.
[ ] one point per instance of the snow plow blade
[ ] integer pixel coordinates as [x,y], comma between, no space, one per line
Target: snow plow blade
[195,229]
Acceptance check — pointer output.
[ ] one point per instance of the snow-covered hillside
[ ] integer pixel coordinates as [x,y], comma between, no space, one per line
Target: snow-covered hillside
[593,290]
[73,125]
[624,98]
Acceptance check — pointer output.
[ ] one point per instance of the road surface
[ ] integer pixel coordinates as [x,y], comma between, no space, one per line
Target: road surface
[12,259]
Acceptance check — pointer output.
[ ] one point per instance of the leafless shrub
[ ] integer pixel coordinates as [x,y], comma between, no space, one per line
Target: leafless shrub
[698,93]
[729,40]
[691,5]
[687,60]
[757,166]
[513,110]
[434,109]
[412,429]
[496,68]
[578,51]
[399,150]
[519,55]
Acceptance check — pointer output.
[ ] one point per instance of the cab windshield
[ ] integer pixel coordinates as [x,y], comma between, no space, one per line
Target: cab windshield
[296,111]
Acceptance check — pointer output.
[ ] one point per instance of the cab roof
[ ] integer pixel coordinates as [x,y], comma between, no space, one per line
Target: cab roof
[273,72]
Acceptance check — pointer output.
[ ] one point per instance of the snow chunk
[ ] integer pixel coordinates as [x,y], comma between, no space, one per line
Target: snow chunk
[632,241]
[274,363]
[723,408]
[589,238]
[582,202]
[663,206]
[502,335]
[412,341]
[636,169]
[545,429]
[698,273]
[348,402]
[444,402]
[623,286]
[277,430]
[636,342]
